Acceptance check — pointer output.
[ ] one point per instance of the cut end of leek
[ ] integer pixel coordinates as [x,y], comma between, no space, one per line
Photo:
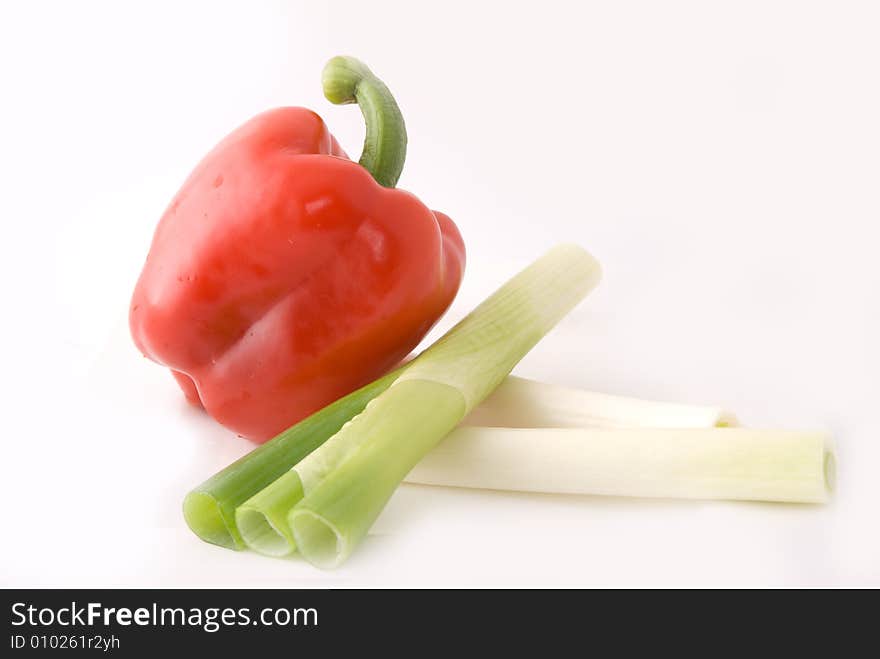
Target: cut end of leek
[260,534]
[319,542]
[262,519]
[204,516]
[829,469]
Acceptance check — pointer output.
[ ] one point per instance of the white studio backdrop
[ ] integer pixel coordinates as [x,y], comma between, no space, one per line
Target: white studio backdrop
[720,159]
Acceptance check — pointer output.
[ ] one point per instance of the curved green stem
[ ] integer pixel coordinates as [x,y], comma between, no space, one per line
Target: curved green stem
[348,80]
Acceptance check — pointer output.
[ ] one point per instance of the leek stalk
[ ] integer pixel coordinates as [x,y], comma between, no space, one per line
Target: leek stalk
[719,463]
[346,482]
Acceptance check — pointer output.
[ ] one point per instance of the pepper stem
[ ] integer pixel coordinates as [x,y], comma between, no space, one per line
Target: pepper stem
[348,80]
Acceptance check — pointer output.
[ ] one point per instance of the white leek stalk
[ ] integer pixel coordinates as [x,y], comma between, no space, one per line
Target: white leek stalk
[720,463]
[522,403]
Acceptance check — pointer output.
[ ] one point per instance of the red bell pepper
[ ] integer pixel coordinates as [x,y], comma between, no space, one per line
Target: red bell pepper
[283,275]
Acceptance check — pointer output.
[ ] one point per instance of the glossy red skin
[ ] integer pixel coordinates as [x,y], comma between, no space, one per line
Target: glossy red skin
[282,276]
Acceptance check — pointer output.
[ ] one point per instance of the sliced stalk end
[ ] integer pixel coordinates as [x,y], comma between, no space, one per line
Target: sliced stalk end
[204,516]
[262,519]
[829,469]
[318,540]
[261,534]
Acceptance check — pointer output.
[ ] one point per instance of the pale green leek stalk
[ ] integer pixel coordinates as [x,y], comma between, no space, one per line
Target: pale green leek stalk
[720,463]
[347,481]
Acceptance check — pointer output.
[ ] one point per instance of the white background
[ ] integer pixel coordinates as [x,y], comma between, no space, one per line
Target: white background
[721,159]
